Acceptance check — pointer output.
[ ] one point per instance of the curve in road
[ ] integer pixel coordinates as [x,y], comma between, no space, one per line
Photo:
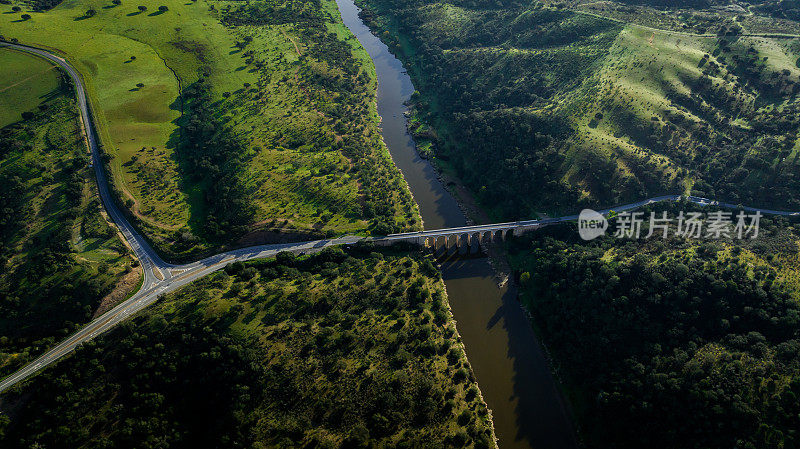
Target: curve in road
[175,276]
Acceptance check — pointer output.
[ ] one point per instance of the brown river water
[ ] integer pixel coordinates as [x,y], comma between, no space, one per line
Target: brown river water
[508,361]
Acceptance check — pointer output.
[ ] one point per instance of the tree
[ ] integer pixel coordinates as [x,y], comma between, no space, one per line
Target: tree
[116,2]
[16,9]
[90,13]
[163,8]
[25,16]
[142,8]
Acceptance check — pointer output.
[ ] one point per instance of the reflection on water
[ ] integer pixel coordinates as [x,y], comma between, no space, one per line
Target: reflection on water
[508,362]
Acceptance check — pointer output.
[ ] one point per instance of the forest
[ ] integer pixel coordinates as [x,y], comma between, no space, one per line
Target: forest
[671,343]
[346,349]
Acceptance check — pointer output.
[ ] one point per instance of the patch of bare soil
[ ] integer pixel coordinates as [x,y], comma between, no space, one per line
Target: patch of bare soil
[124,287]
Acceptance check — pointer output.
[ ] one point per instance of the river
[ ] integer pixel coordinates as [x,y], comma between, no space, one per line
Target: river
[508,361]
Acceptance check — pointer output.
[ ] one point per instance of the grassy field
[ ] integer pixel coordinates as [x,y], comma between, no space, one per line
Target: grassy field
[59,258]
[134,121]
[27,81]
[269,87]
[293,352]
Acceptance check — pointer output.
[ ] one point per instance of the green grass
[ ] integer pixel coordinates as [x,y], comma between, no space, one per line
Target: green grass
[297,176]
[27,80]
[131,118]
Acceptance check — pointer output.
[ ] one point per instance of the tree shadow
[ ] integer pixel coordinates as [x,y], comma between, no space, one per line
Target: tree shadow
[186,184]
[156,13]
[135,13]
[83,17]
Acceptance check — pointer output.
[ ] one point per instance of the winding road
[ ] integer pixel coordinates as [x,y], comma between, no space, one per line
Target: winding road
[161,277]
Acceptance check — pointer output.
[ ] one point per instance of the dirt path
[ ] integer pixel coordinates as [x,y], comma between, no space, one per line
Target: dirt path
[26,79]
[296,48]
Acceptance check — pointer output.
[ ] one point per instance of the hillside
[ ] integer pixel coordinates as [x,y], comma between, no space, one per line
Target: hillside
[338,349]
[671,343]
[228,123]
[586,111]
[59,259]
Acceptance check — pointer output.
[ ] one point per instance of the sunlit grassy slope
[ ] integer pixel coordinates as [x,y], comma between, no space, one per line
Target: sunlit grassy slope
[267,83]
[169,49]
[675,109]
[27,80]
[543,109]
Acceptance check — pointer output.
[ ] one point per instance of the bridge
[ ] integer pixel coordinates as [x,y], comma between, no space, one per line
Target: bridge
[469,238]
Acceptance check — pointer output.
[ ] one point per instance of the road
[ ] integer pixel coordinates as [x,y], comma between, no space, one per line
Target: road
[161,277]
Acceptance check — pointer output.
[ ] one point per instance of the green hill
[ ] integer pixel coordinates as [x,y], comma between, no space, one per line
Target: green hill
[229,123]
[542,109]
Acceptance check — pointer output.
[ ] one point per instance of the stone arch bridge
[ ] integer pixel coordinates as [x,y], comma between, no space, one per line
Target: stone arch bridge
[465,239]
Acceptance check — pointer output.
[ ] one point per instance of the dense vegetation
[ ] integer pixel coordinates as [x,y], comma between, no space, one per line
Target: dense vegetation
[338,349]
[58,255]
[588,111]
[677,343]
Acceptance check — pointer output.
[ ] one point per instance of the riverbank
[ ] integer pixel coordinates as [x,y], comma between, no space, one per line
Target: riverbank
[511,370]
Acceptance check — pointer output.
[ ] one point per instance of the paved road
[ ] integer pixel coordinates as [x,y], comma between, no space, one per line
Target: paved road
[161,277]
